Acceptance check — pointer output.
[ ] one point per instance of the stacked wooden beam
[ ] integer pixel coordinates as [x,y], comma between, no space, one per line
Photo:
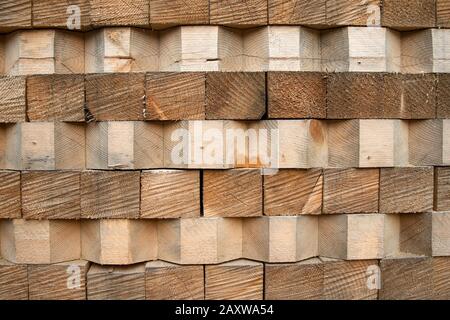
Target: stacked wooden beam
[132,166]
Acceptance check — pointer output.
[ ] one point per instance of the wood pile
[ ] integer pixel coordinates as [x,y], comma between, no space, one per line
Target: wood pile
[224,149]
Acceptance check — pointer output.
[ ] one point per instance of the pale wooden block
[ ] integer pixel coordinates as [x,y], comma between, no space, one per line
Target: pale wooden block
[40,241]
[280,239]
[426,142]
[118,241]
[282,48]
[121,49]
[124,145]
[383,143]
[351,237]
[200,48]
[441,233]
[446,142]
[199,240]
[43,146]
[44,52]
[361,49]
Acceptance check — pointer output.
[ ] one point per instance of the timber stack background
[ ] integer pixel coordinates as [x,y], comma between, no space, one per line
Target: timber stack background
[359,92]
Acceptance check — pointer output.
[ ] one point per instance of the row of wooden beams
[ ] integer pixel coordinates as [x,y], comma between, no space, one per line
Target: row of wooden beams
[216,240]
[401,14]
[215,48]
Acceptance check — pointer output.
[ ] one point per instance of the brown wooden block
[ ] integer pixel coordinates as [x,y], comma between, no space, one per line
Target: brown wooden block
[294,281]
[238,13]
[297,12]
[12,99]
[116,283]
[409,14]
[13,281]
[353,12]
[120,13]
[175,96]
[406,279]
[443,13]
[296,95]
[235,95]
[60,14]
[293,192]
[110,194]
[441,278]
[426,142]
[442,189]
[10,197]
[178,12]
[443,94]
[115,96]
[350,190]
[236,280]
[168,281]
[232,193]
[62,281]
[343,139]
[55,98]
[15,14]
[170,194]
[348,280]
[440,234]
[51,195]
[406,190]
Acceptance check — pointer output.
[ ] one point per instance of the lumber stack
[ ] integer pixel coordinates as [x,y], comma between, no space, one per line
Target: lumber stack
[254,149]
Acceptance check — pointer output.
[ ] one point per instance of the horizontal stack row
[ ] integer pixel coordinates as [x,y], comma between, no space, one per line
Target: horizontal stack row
[214,48]
[401,14]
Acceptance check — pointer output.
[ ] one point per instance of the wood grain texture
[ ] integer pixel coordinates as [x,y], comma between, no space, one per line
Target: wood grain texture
[170,194]
[13,281]
[165,14]
[231,95]
[116,283]
[294,281]
[297,12]
[442,189]
[175,96]
[55,98]
[350,191]
[110,194]
[15,14]
[293,192]
[120,13]
[409,14]
[236,280]
[406,190]
[12,99]
[168,281]
[406,279]
[62,281]
[440,237]
[232,193]
[51,195]
[353,12]
[56,14]
[343,142]
[115,96]
[443,95]
[426,142]
[10,195]
[442,13]
[441,276]
[347,280]
[296,95]
[238,13]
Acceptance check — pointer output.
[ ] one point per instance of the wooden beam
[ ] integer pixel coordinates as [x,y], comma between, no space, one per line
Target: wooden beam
[234,13]
[50,195]
[442,13]
[168,281]
[118,241]
[240,189]
[406,190]
[61,281]
[170,194]
[116,282]
[110,194]
[13,281]
[343,143]
[175,96]
[236,280]
[55,98]
[235,96]
[13,99]
[426,142]
[123,13]
[40,241]
[15,14]
[292,192]
[441,283]
[407,14]
[442,189]
[107,94]
[350,191]
[10,195]
[443,95]
[165,14]
[57,14]
[441,234]
[296,95]
[294,12]
[353,12]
